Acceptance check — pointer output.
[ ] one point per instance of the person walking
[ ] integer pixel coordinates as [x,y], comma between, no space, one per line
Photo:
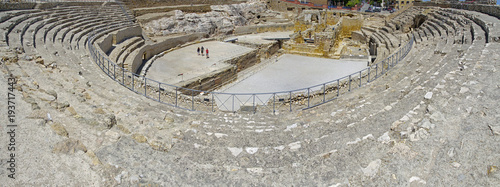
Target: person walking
[201,50]
[207,53]
[198,51]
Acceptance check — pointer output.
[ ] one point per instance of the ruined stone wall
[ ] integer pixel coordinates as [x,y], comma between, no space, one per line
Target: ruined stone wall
[358,36]
[244,61]
[187,9]
[211,81]
[282,6]
[263,28]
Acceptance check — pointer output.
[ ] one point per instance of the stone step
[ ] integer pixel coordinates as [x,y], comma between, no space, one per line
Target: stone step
[122,59]
[118,50]
[104,31]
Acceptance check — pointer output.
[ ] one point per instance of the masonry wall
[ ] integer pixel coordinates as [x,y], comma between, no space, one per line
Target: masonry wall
[263,28]
[106,43]
[187,8]
[211,81]
[127,33]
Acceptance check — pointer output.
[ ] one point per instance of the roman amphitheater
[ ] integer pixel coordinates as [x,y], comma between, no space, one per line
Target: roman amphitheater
[120,93]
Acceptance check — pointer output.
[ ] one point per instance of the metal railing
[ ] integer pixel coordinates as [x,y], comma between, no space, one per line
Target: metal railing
[205,101]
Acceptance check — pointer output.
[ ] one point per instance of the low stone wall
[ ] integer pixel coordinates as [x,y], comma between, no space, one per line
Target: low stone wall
[136,58]
[210,81]
[184,8]
[107,42]
[282,6]
[263,28]
[244,61]
[127,33]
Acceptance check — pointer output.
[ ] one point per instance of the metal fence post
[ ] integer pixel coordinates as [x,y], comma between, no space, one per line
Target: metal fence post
[108,67]
[159,92]
[349,83]
[290,101]
[376,71]
[383,67]
[308,97]
[359,78]
[145,88]
[253,104]
[176,88]
[324,93]
[368,74]
[274,103]
[338,87]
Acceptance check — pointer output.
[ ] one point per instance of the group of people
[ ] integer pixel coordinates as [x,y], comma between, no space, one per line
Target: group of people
[201,50]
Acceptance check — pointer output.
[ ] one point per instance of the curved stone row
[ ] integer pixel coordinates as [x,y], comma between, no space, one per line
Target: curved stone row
[66,25]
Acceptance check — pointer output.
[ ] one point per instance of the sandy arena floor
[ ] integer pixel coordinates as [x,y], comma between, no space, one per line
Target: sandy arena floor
[186,61]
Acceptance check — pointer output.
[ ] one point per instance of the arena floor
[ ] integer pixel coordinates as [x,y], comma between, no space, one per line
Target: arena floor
[186,61]
[290,72]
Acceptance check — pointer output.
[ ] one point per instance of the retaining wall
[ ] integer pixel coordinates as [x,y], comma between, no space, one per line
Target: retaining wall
[263,28]
[183,8]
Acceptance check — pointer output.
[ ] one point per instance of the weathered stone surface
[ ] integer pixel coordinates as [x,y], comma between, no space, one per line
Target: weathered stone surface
[139,138]
[235,151]
[168,119]
[428,95]
[72,111]
[39,60]
[123,129]
[69,146]
[372,169]
[59,129]
[109,120]
[222,19]
[495,129]
[437,117]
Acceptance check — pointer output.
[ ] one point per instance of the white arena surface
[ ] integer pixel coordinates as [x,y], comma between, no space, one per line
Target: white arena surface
[292,72]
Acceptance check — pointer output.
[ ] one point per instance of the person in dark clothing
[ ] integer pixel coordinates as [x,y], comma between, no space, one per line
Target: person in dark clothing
[201,50]
[207,53]
[198,51]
